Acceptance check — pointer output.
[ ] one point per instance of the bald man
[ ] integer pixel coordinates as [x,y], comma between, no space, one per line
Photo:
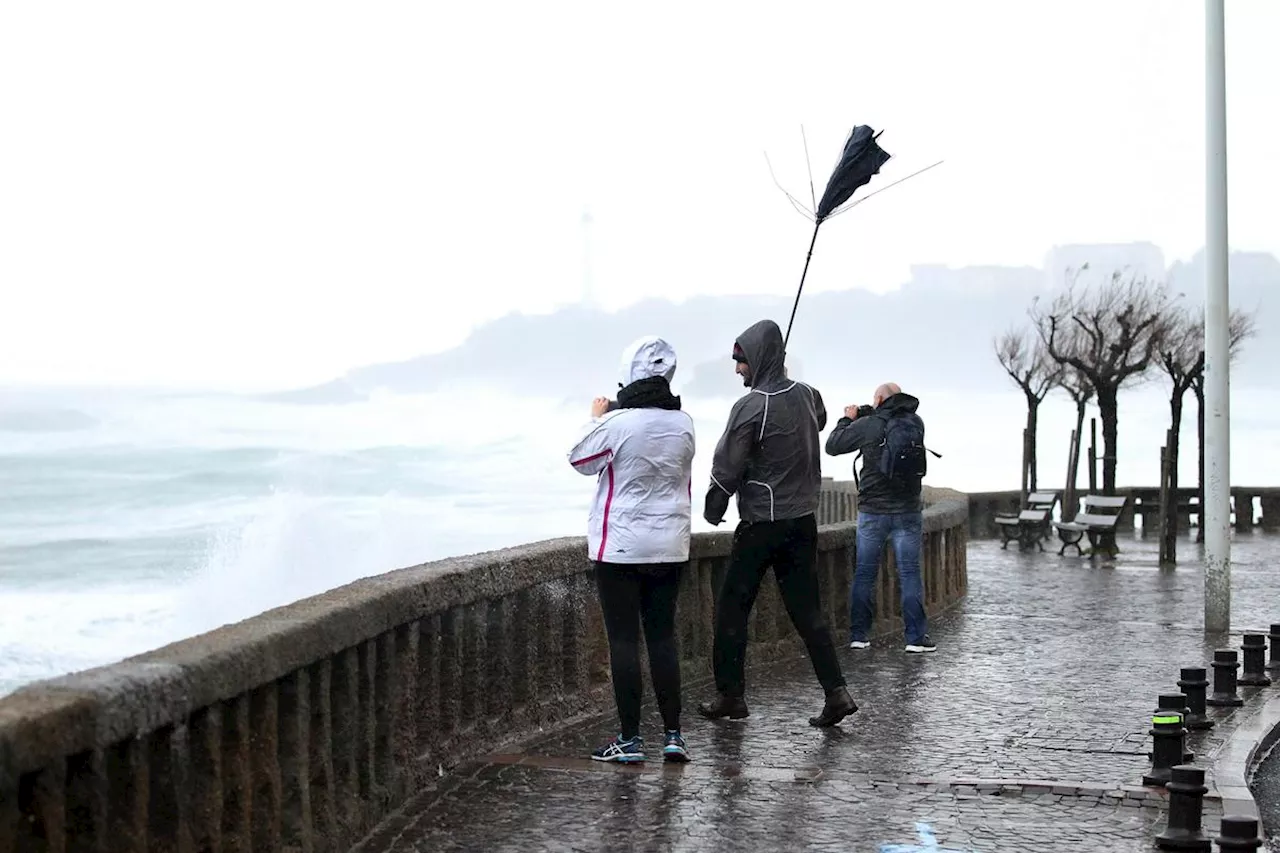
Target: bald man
[889,436]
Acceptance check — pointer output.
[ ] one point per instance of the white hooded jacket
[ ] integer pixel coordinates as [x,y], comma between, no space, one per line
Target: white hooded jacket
[643,461]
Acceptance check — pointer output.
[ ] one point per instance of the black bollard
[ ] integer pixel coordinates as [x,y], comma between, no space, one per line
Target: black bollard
[1239,833]
[1224,679]
[1255,661]
[1194,684]
[1175,702]
[1167,736]
[1186,802]
[1274,666]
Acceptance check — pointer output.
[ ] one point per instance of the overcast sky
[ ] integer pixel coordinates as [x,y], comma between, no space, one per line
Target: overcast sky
[266,194]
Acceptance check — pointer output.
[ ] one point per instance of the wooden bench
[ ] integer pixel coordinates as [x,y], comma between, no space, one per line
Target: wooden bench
[1098,522]
[1010,524]
[1028,527]
[1042,500]
[1046,501]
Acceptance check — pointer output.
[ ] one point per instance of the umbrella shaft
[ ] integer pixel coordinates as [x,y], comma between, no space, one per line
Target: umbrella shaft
[796,304]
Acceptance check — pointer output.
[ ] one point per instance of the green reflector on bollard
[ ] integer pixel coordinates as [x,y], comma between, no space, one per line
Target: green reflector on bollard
[1167,721]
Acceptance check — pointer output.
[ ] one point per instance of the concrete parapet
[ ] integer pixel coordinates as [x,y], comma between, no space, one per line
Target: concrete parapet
[303,727]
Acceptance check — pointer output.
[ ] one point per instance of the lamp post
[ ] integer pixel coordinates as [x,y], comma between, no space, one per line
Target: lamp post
[1217,423]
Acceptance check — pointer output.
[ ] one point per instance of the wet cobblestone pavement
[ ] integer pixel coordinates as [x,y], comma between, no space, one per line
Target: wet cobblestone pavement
[1026,730]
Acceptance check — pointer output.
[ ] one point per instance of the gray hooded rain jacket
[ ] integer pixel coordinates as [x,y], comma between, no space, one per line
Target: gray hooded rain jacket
[770,455]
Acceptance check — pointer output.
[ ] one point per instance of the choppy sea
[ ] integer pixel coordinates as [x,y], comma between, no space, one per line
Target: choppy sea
[129,519]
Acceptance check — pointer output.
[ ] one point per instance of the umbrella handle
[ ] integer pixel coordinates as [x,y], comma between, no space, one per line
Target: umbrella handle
[796,304]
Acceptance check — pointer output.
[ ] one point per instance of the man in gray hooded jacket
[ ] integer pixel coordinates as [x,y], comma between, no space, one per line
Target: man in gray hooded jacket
[770,457]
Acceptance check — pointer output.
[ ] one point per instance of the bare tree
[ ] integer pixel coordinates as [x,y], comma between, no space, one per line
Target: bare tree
[1024,359]
[1110,334]
[1181,357]
[1241,327]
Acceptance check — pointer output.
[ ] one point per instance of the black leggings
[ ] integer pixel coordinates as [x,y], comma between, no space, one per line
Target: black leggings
[630,594]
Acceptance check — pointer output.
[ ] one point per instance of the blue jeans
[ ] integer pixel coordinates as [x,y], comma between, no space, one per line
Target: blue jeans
[905,531]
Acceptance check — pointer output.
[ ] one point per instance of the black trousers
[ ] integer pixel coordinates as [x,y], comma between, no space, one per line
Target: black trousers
[630,595]
[791,548]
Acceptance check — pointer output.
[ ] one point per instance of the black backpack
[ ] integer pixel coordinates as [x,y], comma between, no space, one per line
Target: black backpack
[904,459]
[902,452]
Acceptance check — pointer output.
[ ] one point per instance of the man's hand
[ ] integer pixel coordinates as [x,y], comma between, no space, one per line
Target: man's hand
[851,412]
[599,406]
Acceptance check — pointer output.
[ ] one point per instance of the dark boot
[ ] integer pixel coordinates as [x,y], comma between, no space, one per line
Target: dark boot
[733,707]
[839,705]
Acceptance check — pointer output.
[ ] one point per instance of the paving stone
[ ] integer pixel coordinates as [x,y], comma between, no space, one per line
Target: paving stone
[1027,730]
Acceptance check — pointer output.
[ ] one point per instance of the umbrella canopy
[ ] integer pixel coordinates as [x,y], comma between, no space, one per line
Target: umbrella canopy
[861,159]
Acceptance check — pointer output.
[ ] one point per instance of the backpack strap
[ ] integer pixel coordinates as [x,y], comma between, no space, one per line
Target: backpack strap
[884,438]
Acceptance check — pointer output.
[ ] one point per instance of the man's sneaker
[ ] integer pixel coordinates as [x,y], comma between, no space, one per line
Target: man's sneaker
[621,751]
[733,707]
[859,644]
[922,646]
[839,705]
[673,748]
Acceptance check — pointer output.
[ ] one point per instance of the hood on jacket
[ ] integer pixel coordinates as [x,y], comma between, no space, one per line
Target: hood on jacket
[646,358]
[761,346]
[900,402]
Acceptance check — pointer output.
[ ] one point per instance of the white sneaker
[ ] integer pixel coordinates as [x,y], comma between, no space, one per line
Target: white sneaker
[859,644]
[925,645]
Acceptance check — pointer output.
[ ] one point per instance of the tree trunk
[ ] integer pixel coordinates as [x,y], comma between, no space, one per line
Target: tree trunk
[1093,455]
[1080,410]
[1069,490]
[1108,410]
[1033,406]
[1175,431]
[1199,389]
[1026,468]
[1070,497]
[1168,538]
[1075,467]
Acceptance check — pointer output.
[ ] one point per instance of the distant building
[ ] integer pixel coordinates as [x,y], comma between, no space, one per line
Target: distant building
[969,281]
[1104,259]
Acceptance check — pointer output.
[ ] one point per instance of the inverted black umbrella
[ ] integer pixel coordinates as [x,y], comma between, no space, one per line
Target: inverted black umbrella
[861,159]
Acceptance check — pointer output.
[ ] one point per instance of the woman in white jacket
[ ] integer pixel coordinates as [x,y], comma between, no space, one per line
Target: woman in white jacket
[641,452]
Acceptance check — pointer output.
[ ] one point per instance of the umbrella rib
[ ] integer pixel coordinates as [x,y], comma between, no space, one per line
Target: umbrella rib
[808,214]
[808,165]
[801,209]
[849,207]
